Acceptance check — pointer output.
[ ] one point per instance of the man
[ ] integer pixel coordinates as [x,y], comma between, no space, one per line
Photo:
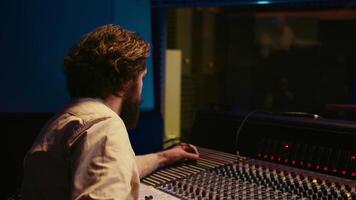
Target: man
[84,151]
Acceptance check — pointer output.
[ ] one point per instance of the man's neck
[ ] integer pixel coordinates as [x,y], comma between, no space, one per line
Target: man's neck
[114,103]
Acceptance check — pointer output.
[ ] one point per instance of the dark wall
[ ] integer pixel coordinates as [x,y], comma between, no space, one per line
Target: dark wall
[35,36]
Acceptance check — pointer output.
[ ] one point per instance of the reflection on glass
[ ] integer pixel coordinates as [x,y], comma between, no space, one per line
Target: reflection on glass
[280,61]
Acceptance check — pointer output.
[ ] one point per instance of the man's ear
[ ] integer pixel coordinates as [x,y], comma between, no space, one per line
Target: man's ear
[124,88]
[126,85]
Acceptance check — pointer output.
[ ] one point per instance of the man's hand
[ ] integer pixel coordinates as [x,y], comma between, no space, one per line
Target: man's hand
[177,153]
[150,162]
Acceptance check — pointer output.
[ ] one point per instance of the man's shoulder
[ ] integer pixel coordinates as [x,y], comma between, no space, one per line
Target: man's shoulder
[104,123]
[94,117]
[79,116]
[89,109]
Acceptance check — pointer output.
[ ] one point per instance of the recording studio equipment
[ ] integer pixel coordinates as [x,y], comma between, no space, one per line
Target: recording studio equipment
[219,175]
[278,157]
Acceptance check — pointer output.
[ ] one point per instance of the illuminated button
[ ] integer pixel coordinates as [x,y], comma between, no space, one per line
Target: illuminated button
[325,168]
[348,195]
[286,146]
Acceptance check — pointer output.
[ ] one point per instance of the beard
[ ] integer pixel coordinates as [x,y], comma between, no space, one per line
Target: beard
[130,111]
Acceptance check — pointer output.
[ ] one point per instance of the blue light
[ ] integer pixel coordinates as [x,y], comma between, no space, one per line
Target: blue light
[263,2]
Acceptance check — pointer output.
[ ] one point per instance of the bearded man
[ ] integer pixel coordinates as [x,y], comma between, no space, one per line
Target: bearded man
[84,151]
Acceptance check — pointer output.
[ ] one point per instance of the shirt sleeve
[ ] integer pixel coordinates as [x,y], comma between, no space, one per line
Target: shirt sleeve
[102,162]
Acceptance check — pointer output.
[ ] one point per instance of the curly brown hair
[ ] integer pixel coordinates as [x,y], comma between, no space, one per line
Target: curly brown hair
[103,60]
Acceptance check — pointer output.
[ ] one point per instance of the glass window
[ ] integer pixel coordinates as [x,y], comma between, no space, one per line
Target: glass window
[283,61]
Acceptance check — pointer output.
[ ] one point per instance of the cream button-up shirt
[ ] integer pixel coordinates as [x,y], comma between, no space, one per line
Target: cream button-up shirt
[82,153]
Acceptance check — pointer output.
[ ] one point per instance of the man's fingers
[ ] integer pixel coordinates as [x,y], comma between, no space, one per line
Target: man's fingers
[195,149]
[189,148]
[191,155]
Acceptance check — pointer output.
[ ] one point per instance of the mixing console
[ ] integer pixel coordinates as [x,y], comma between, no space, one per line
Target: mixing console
[219,175]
